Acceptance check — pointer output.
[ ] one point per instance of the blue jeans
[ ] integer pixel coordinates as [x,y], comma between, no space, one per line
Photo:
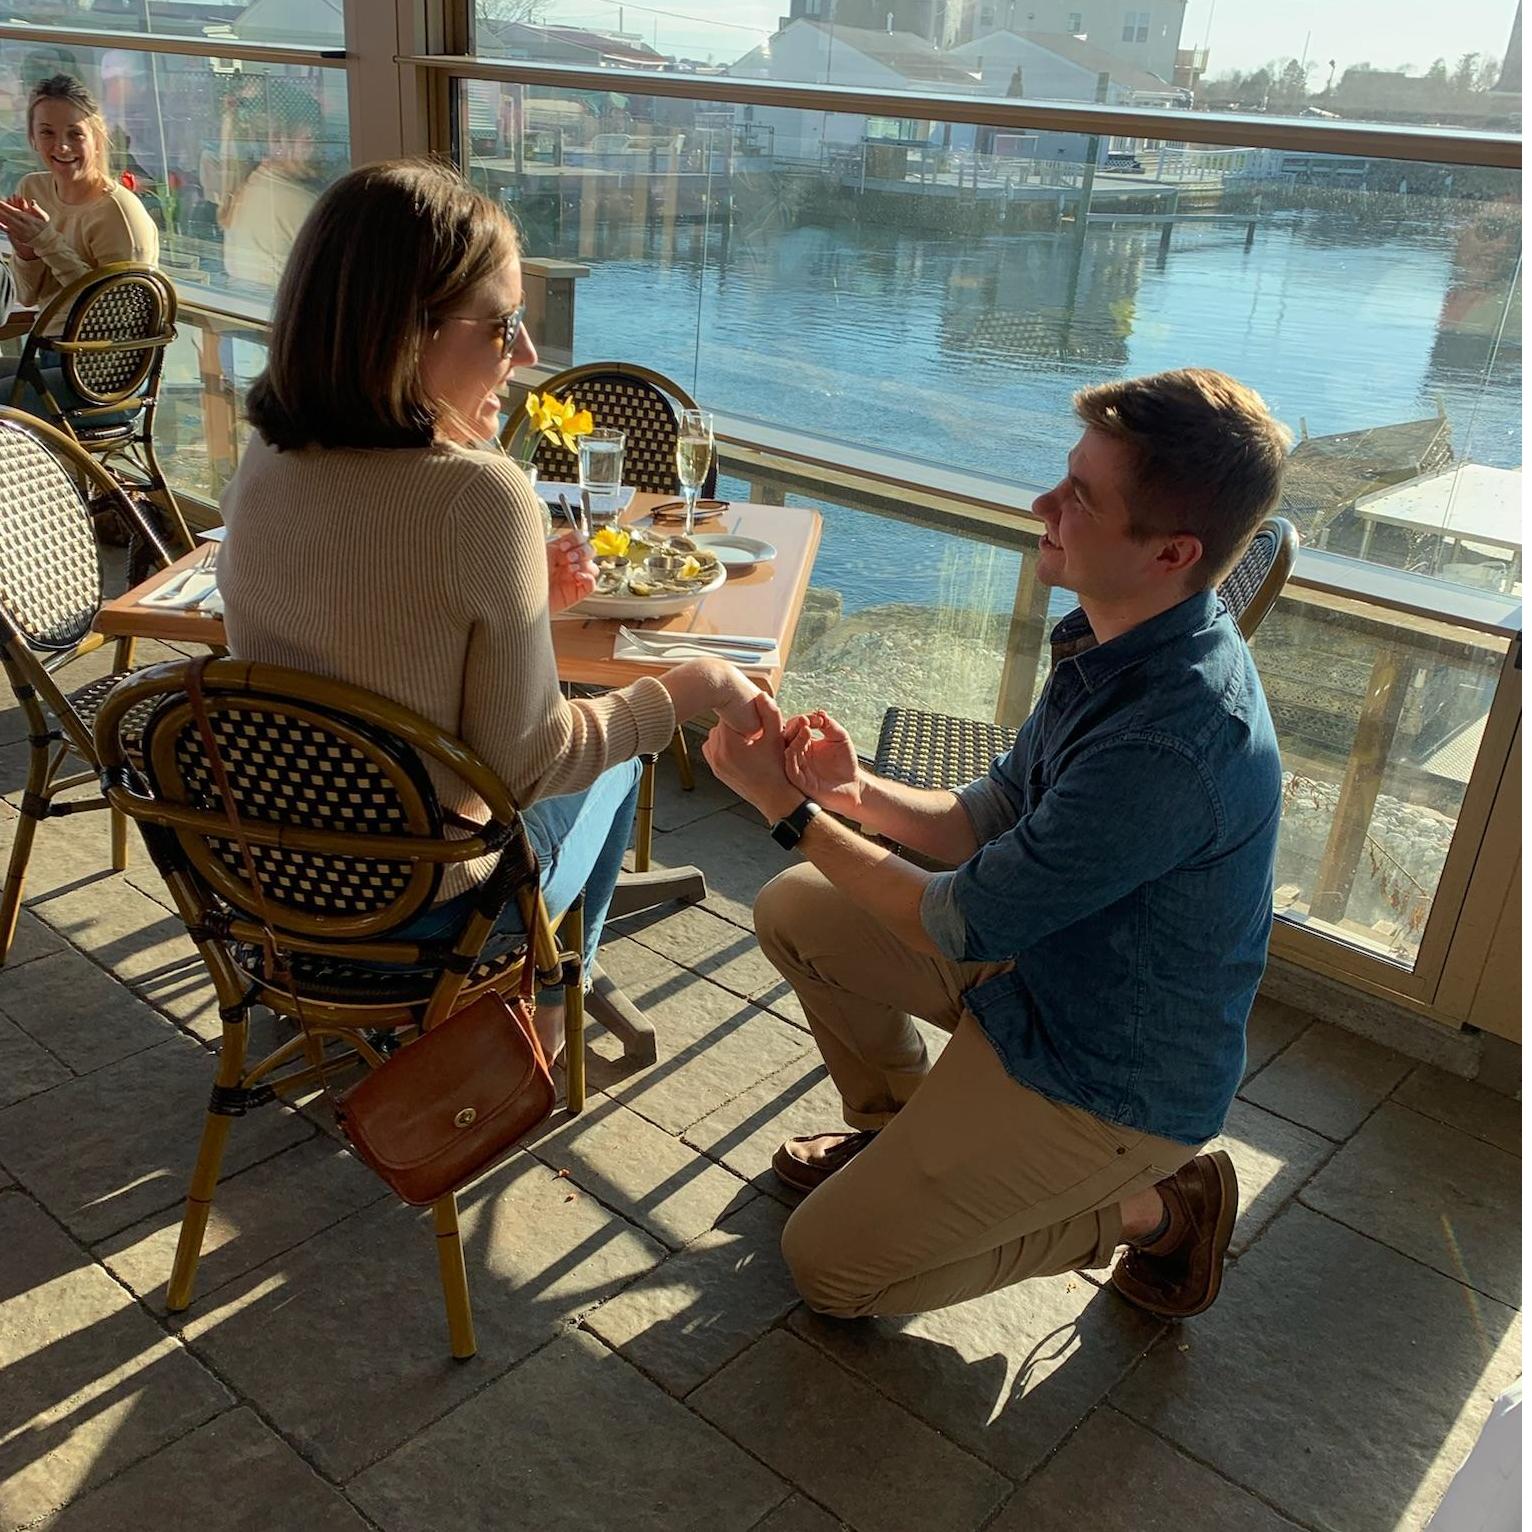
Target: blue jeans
[579,840]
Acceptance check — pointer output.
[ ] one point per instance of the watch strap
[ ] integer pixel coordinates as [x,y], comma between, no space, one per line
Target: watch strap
[788,831]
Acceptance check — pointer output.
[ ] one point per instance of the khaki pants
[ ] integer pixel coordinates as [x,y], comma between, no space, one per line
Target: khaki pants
[974,1181]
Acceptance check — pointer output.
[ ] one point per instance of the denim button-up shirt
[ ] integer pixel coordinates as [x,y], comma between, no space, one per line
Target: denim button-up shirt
[1126,852]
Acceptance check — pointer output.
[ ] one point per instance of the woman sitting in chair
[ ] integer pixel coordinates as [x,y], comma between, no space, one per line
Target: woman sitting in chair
[371,538]
[69,218]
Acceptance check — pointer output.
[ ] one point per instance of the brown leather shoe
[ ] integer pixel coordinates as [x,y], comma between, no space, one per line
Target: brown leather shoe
[804,1163]
[1179,1274]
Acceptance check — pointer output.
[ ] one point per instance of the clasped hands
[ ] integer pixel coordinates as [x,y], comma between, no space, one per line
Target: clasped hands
[23,221]
[806,756]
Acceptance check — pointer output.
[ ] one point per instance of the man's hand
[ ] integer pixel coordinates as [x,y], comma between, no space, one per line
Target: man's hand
[821,762]
[754,768]
[571,571]
[23,220]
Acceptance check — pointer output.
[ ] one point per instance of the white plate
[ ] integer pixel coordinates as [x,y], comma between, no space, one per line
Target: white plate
[646,606]
[551,489]
[734,551]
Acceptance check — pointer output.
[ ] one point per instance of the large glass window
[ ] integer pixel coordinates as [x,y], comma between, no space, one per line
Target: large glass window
[933,294]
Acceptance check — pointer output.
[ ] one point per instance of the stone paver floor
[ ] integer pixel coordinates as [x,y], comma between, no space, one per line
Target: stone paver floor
[643,1359]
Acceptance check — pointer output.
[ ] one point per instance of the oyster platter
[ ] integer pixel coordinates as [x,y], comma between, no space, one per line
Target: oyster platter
[646,574]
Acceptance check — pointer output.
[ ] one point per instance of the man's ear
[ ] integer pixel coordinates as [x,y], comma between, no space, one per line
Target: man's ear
[1178,554]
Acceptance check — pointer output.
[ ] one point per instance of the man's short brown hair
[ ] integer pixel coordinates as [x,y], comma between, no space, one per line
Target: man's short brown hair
[385,255]
[1209,458]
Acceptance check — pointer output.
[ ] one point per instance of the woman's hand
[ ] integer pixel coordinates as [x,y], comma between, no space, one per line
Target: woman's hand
[571,571]
[821,761]
[23,220]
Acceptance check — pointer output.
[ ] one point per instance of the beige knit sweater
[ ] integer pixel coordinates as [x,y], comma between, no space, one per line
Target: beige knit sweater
[81,237]
[422,574]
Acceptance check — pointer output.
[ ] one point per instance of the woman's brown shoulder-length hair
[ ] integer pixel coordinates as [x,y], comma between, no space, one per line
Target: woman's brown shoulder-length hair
[386,253]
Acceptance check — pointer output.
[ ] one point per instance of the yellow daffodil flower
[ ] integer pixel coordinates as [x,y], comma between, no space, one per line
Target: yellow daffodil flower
[556,420]
[610,543]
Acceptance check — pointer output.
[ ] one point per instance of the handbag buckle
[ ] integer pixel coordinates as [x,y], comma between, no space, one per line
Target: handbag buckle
[466,1118]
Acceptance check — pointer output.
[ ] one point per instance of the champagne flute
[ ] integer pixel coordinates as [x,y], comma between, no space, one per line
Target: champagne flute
[694,456]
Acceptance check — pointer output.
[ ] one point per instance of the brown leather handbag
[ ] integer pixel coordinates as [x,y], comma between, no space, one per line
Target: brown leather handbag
[444,1108]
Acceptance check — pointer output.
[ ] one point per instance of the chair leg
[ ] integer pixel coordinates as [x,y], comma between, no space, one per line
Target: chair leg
[199,1203]
[21,848]
[204,1181]
[572,938]
[449,1254]
[683,759]
[643,820]
[119,840]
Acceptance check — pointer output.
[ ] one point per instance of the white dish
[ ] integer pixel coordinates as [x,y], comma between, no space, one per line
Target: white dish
[551,489]
[626,606]
[734,551]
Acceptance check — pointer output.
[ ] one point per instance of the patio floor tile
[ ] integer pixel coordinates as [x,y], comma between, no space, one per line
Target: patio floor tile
[640,1171]
[1475,1109]
[1340,1381]
[232,1474]
[800,1514]
[738,855]
[1328,1080]
[1272,1026]
[256,1215]
[1272,1158]
[1008,1375]
[91,1383]
[141,943]
[77,1012]
[342,1343]
[26,1067]
[712,1044]
[744,1133]
[867,1460]
[685,1319]
[110,1148]
[574,1439]
[1433,1193]
[1132,1482]
[33,939]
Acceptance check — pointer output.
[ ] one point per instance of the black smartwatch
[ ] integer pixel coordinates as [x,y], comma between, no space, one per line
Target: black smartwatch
[788,832]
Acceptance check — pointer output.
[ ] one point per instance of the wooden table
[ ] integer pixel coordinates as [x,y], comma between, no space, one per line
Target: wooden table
[765,601]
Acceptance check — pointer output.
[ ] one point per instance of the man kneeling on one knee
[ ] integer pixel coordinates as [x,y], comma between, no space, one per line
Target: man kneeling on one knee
[1094,951]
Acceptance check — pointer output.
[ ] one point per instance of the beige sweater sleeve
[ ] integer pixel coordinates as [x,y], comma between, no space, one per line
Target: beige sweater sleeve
[514,714]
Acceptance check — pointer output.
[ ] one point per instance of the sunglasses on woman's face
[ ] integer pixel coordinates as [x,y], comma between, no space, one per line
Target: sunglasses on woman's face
[510,324]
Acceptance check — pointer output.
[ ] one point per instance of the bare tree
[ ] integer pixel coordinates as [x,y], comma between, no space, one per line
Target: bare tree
[499,12]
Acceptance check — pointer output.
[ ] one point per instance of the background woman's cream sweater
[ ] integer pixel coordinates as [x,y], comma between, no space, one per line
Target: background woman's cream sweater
[422,574]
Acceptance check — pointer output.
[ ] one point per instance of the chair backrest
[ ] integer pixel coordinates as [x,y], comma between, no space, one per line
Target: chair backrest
[624,397]
[110,330]
[50,575]
[1251,588]
[331,788]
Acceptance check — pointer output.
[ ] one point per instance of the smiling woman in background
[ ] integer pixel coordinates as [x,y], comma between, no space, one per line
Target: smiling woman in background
[70,217]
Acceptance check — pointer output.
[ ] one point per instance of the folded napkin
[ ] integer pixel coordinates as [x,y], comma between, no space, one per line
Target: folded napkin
[747,659]
[191,588]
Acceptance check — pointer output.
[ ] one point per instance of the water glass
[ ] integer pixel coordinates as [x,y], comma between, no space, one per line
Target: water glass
[694,456]
[601,473]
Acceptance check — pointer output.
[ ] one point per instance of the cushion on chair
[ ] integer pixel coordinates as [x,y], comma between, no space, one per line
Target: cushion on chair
[328,978]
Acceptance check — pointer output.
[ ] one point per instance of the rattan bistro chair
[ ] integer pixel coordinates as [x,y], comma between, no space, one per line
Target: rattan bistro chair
[50,592]
[646,405]
[925,749]
[107,334]
[622,396]
[352,843]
